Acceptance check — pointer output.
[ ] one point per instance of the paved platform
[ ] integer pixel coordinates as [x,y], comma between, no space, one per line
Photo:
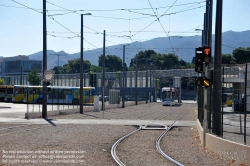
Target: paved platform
[96,122]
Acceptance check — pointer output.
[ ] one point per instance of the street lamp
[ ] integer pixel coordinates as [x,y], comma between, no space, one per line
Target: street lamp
[57,66]
[21,80]
[151,63]
[202,36]
[136,89]
[81,66]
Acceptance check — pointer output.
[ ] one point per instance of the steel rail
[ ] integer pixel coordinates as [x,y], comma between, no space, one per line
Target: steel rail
[158,147]
[113,153]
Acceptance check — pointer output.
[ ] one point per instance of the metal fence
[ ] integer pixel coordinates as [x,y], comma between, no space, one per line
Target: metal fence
[235,108]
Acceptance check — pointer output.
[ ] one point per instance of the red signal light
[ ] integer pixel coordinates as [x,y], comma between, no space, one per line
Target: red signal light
[207,54]
[207,51]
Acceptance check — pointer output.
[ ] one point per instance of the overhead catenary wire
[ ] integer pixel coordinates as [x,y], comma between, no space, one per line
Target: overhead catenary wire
[103,10]
[158,19]
[131,37]
[70,30]
[96,30]
[53,20]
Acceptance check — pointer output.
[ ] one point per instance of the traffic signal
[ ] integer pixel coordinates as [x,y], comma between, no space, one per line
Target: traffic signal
[199,60]
[198,81]
[202,54]
[202,81]
[207,54]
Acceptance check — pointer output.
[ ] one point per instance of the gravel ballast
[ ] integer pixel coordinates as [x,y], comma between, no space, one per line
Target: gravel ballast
[78,144]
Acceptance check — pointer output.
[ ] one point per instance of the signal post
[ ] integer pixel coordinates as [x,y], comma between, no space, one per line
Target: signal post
[202,59]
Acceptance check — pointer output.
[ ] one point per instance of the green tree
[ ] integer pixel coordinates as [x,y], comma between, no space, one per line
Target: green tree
[159,61]
[2,81]
[33,77]
[193,60]
[227,59]
[142,57]
[73,66]
[241,55]
[112,63]
[94,68]
[58,69]
[92,79]
[170,61]
[190,65]
[182,63]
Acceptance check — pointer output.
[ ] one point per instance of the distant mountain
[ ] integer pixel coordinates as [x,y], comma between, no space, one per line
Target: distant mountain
[52,58]
[183,46]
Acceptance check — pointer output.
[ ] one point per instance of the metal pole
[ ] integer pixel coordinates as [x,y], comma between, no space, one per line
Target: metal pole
[44,106]
[216,128]
[81,68]
[210,22]
[209,7]
[205,106]
[222,112]
[136,88]
[150,84]
[147,81]
[57,69]
[123,78]
[21,80]
[103,72]
[245,107]
[209,42]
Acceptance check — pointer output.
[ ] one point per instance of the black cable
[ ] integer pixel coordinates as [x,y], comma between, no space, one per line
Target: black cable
[104,10]
[27,7]
[158,19]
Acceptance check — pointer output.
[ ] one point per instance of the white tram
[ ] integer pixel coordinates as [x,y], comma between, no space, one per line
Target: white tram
[169,96]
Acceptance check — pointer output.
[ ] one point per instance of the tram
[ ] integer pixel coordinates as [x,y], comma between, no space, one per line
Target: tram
[169,96]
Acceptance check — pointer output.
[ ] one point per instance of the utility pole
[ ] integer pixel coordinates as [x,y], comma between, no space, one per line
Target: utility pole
[44,106]
[57,67]
[81,65]
[150,82]
[123,78]
[209,43]
[136,87]
[21,80]
[103,72]
[81,68]
[205,89]
[216,127]
[147,81]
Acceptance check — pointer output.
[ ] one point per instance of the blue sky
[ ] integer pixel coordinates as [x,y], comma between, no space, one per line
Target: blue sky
[21,28]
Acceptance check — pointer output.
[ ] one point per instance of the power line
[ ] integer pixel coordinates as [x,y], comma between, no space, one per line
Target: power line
[158,19]
[53,20]
[77,35]
[107,9]
[27,7]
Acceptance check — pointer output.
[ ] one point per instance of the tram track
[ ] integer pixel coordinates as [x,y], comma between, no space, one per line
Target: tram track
[142,114]
[115,145]
[158,141]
